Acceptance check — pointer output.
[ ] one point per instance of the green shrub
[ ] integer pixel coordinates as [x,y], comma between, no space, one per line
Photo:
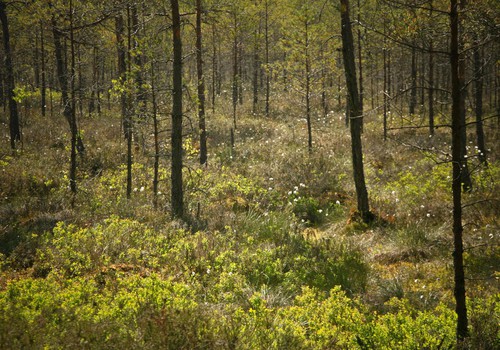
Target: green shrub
[76,251]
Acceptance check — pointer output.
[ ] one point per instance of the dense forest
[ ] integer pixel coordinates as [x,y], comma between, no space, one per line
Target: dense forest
[250,174]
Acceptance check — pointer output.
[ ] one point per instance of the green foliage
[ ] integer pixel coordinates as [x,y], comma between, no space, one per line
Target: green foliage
[76,251]
[154,312]
[407,328]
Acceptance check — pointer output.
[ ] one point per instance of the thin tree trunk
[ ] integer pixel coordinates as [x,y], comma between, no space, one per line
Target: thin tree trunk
[43,83]
[308,88]
[68,107]
[240,73]
[36,62]
[235,70]
[256,67]
[176,174]
[465,174]
[431,80]
[478,96]
[139,63]
[14,126]
[268,73]
[457,141]
[355,113]
[122,69]
[360,65]
[413,88]
[214,67]
[128,117]
[201,87]
[156,166]
[385,84]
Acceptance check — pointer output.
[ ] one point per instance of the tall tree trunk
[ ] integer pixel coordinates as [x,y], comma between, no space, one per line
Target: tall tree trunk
[308,88]
[138,62]
[43,82]
[14,126]
[360,65]
[129,105]
[68,106]
[355,113]
[240,73]
[465,174]
[457,141]
[214,67]
[122,69]
[176,174]
[235,69]
[156,166]
[256,66]
[385,83]
[478,96]
[431,78]
[413,88]
[268,73]
[36,62]
[201,87]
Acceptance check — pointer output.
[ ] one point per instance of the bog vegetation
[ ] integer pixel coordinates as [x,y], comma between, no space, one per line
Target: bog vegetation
[269,250]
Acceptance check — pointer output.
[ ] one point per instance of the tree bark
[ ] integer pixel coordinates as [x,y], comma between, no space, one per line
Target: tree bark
[457,142]
[176,174]
[355,112]
[201,87]
[14,126]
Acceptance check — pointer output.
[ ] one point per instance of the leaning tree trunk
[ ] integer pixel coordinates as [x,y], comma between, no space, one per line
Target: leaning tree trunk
[457,141]
[14,127]
[176,174]
[355,112]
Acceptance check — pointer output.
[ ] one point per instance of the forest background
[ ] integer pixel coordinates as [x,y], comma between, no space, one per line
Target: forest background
[267,174]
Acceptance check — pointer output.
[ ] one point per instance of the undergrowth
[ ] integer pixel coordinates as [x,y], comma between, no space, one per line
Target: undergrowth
[268,257]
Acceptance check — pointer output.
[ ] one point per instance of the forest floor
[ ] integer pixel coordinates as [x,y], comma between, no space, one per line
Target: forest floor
[270,254]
